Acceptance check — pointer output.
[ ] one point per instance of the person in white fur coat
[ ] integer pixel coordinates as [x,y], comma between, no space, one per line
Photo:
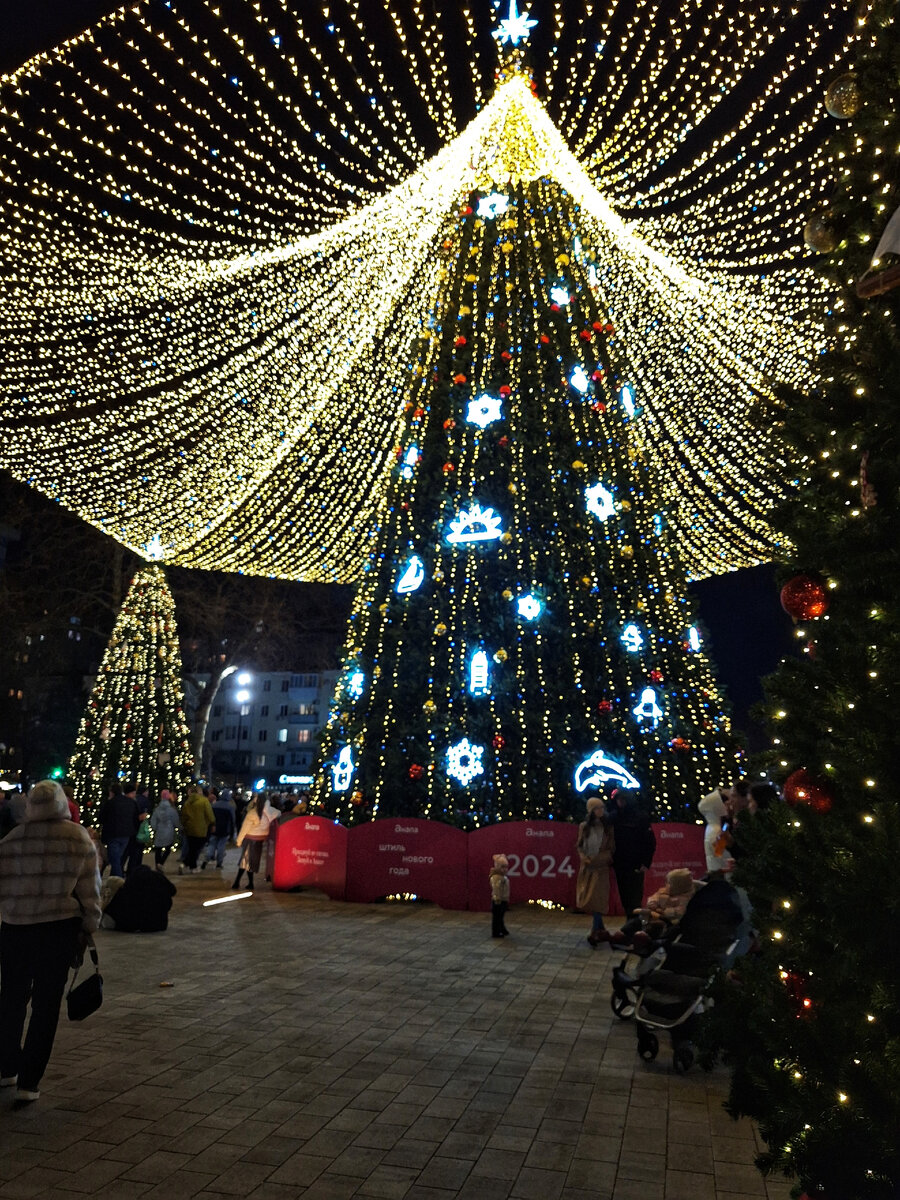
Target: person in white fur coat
[714,810]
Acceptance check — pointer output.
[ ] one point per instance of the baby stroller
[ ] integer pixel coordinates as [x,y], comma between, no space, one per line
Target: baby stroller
[628,978]
[672,994]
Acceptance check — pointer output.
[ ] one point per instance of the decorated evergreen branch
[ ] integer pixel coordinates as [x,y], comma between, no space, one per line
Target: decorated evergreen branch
[133,726]
[811,1025]
[521,633]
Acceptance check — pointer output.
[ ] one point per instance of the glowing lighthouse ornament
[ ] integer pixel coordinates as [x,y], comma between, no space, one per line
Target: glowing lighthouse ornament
[515,28]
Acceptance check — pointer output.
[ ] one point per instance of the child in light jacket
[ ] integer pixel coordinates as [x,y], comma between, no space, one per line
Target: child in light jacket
[499,895]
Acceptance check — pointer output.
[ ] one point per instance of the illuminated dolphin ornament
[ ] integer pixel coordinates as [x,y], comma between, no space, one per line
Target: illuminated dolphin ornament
[600,769]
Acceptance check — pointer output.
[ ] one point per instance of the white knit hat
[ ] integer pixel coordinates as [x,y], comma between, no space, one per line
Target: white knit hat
[47,802]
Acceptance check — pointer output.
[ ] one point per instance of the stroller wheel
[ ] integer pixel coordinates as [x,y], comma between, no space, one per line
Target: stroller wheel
[648,1046]
[683,1059]
[622,1005]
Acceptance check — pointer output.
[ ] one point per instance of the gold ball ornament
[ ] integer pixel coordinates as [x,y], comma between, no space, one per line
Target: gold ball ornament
[512,489]
[562,260]
[819,235]
[625,505]
[577,465]
[506,594]
[429,707]
[501,656]
[506,539]
[843,99]
[440,630]
[628,551]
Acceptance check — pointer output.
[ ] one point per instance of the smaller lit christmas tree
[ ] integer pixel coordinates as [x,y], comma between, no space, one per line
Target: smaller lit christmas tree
[134,725]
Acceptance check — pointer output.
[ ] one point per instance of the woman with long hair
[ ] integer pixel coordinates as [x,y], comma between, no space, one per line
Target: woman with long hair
[595,846]
[253,835]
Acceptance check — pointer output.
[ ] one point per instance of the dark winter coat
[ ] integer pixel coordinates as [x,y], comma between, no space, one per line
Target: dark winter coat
[119,818]
[635,841]
[142,903]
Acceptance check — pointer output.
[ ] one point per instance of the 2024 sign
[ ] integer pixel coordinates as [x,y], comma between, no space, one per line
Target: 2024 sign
[544,866]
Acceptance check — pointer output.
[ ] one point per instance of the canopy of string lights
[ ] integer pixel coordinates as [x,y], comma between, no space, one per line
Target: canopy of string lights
[223,239]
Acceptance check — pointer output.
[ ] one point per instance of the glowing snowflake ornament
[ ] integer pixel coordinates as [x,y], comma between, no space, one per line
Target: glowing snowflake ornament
[515,28]
[484,410]
[355,684]
[464,761]
[343,769]
[529,607]
[476,525]
[579,380]
[599,501]
[492,206]
[413,576]
[647,708]
[559,295]
[694,638]
[631,638]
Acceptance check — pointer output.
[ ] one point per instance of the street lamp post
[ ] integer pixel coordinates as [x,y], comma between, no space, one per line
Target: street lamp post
[242,696]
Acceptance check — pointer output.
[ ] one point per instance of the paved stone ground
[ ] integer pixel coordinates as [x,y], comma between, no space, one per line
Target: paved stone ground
[324,1050]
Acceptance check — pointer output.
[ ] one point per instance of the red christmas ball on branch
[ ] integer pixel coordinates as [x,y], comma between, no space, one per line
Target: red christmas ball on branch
[498,741]
[801,787]
[604,707]
[416,771]
[804,598]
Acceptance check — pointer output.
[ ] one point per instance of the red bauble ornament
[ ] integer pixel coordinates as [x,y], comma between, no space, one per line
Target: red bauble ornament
[545,341]
[505,355]
[679,745]
[498,742]
[604,707]
[449,423]
[467,211]
[460,341]
[505,390]
[418,414]
[804,598]
[656,676]
[416,771]
[609,327]
[597,375]
[448,468]
[585,335]
[598,406]
[460,378]
[597,326]
[504,441]
[801,787]
[554,308]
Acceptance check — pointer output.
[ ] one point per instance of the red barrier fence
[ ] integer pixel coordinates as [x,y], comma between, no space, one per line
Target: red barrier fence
[437,862]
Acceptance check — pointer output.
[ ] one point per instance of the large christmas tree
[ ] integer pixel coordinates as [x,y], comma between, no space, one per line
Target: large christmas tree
[813,1026]
[522,632]
[134,727]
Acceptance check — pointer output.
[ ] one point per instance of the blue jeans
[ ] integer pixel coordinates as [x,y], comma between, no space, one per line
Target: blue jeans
[215,849]
[115,852]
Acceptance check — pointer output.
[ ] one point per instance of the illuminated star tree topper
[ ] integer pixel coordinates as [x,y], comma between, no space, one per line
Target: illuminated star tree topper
[515,28]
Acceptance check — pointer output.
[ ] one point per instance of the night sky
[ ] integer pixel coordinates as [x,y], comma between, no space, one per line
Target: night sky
[749,631]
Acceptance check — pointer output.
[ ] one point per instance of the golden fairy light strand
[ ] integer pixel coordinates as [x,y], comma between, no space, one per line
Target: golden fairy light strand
[220,243]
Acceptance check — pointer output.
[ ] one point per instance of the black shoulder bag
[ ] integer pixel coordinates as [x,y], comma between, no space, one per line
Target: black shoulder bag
[81,1001]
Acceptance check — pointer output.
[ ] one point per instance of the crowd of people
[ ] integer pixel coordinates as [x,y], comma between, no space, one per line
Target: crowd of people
[51,867]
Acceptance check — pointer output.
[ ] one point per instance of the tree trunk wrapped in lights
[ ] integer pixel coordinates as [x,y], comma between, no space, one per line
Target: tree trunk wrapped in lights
[521,634]
[134,726]
[811,1026]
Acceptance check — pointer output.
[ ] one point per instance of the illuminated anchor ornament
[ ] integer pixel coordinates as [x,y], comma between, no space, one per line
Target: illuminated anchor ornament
[343,769]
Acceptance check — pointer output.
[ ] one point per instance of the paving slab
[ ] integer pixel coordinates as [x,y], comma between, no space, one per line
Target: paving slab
[286,1046]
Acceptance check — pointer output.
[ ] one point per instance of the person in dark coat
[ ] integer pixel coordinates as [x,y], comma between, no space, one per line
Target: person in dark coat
[119,821]
[142,903]
[635,847]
